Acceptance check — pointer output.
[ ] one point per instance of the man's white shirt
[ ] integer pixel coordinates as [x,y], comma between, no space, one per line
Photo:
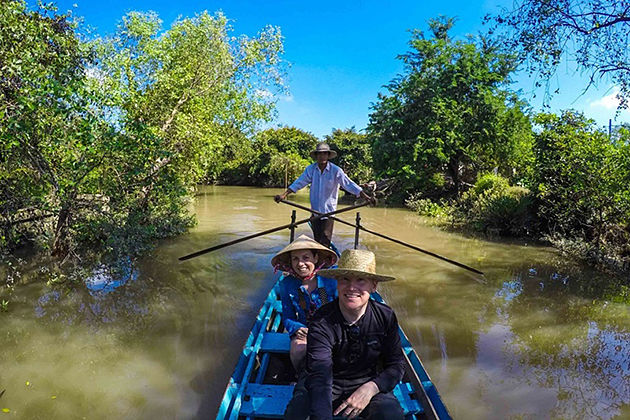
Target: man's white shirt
[325,186]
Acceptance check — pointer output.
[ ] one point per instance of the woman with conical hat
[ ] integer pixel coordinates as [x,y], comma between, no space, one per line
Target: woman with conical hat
[354,357]
[303,290]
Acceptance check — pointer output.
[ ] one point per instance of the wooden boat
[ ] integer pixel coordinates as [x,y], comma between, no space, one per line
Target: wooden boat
[261,385]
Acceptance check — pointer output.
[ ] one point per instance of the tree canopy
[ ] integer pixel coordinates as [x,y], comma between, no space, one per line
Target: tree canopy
[449,114]
[581,179]
[592,34]
[354,153]
[281,155]
[110,137]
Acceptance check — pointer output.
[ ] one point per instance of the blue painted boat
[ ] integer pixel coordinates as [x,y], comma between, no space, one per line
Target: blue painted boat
[261,385]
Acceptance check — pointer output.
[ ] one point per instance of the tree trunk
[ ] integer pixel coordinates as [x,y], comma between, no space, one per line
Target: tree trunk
[61,247]
[454,167]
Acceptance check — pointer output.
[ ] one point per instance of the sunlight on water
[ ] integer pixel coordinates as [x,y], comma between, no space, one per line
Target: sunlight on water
[538,337]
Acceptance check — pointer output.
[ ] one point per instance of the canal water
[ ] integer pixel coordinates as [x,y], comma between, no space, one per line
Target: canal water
[540,336]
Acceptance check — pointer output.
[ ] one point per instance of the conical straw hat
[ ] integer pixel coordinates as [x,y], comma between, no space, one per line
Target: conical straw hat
[356,263]
[304,242]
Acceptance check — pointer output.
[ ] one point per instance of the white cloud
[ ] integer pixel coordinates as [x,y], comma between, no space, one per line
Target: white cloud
[287,98]
[608,101]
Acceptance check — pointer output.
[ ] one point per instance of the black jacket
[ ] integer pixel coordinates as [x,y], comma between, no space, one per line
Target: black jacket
[347,356]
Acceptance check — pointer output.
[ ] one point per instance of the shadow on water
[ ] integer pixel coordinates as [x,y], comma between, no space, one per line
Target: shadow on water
[542,337]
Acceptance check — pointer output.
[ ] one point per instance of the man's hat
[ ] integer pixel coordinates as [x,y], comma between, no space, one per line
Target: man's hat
[356,263]
[323,147]
[325,255]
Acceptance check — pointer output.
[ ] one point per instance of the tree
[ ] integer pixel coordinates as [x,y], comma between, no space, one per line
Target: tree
[591,33]
[283,151]
[113,135]
[354,153]
[182,97]
[53,137]
[449,115]
[581,179]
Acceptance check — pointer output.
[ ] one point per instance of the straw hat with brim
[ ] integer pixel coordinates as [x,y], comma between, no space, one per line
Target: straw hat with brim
[323,147]
[356,263]
[304,242]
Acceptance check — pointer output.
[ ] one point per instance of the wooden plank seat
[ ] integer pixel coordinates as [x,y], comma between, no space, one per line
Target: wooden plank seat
[403,392]
[261,400]
[270,401]
[274,342]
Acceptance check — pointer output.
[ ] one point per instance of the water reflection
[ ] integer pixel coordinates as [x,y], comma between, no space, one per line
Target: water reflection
[105,280]
[543,337]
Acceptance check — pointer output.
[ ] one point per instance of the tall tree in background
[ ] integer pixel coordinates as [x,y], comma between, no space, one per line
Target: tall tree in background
[581,179]
[354,153]
[282,153]
[449,114]
[593,34]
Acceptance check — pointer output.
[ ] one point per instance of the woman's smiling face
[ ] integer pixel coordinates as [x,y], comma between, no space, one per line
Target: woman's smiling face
[354,291]
[303,262]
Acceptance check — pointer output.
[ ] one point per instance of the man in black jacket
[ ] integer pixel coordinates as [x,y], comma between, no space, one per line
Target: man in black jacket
[354,356]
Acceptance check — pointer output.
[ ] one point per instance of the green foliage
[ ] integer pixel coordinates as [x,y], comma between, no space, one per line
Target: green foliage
[279,152]
[426,207]
[285,166]
[104,142]
[581,179]
[488,182]
[354,153]
[232,164]
[450,114]
[538,31]
[53,136]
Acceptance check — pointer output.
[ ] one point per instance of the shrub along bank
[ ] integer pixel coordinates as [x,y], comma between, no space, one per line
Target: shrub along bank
[578,197]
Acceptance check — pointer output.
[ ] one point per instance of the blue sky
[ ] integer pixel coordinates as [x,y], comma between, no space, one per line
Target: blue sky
[343,52]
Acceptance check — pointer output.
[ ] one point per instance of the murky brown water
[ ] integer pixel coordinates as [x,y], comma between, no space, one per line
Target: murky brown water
[541,338]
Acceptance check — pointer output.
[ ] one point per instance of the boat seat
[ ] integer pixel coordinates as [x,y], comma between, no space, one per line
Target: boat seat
[261,400]
[403,392]
[265,400]
[274,342]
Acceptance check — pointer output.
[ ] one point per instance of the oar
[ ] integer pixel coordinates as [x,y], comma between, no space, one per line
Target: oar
[433,254]
[255,235]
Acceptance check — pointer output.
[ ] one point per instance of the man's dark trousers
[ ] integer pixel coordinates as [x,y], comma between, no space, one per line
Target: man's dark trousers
[322,231]
[381,407]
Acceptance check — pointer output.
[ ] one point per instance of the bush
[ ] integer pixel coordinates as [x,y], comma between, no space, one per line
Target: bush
[426,207]
[489,182]
[495,207]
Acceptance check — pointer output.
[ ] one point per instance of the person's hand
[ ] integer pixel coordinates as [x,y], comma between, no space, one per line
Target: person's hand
[279,197]
[302,332]
[370,199]
[356,403]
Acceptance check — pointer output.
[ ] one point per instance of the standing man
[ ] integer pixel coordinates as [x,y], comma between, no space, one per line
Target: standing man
[354,355]
[325,179]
